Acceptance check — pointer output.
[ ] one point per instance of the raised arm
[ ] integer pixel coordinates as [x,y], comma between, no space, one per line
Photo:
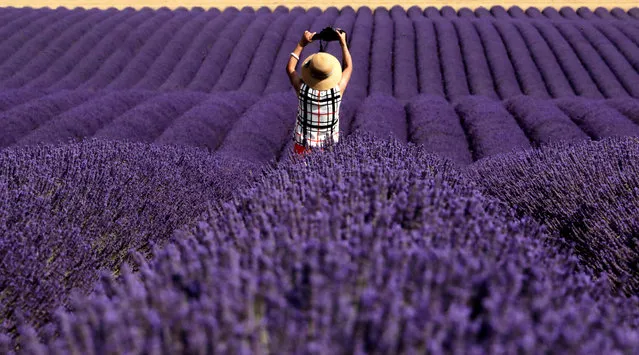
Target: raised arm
[292,61]
[348,63]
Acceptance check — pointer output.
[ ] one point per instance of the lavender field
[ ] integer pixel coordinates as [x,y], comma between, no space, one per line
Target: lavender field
[483,198]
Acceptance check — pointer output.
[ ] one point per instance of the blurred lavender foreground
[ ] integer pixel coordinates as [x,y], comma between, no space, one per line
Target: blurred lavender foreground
[512,228]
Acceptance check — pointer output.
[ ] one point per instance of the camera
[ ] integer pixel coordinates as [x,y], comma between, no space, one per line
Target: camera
[328,34]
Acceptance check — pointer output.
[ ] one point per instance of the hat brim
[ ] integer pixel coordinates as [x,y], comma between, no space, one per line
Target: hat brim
[322,84]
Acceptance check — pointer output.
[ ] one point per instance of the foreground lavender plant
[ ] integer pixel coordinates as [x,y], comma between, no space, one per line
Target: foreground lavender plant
[588,193]
[68,211]
[375,247]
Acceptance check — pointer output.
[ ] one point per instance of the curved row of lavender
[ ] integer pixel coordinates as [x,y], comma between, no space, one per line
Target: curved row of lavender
[587,193]
[260,127]
[398,52]
[69,211]
[374,247]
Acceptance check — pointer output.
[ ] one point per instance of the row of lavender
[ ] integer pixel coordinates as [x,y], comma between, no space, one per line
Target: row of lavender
[398,52]
[260,128]
[374,247]
[497,11]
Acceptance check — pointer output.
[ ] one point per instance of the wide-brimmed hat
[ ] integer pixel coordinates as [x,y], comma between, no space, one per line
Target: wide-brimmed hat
[321,71]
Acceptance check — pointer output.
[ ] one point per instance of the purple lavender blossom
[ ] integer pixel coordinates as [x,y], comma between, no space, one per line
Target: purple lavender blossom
[585,192]
[597,119]
[373,247]
[70,211]
[434,124]
[490,128]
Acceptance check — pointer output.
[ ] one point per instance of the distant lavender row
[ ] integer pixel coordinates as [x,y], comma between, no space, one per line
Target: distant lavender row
[471,126]
[374,247]
[497,11]
[398,52]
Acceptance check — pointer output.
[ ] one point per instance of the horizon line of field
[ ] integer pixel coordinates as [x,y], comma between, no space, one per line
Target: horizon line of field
[469,129]
[307,5]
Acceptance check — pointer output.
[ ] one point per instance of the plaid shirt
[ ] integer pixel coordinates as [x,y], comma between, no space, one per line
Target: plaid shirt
[317,116]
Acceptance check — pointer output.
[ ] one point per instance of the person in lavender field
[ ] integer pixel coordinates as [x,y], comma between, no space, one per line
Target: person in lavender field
[319,91]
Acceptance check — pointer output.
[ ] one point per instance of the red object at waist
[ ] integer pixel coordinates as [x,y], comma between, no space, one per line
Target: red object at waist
[300,149]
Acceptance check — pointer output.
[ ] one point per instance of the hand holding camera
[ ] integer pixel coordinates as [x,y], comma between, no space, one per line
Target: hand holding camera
[307,38]
[342,36]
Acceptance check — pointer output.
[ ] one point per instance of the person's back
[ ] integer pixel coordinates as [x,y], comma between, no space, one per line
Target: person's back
[319,93]
[317,116]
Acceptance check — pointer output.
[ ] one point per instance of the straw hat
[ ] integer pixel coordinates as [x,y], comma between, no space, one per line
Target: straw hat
[321,71]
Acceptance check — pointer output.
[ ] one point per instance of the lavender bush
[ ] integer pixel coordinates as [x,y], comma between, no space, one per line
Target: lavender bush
[586,192]
[360,47]
[542,121]
[162,66]
[103,32]
[207,124]
[465,13]
[11,98]
[382,116]
[232,75]
[499,12]
[493,52]
[622,43]
[394,255]
[599,69]
[603,13]
[256,76]
[556,81]
[259,135]
[483,12]
[22,119]
[374,245]
[325,19]
[433,123]
[628,107]
[34,63]
[144,56]
[21,31]
[517,12]
[490,128]
[525,67]
[70,211]
[453,68]
[218,57]
[498,58]
[381,60]
[38,42]
[83,70]
[597,119]
[428,62]
[579,78]
[197,52]
[147,121]
[278,82]
[613,59]
[345,21]
[405,84]
[480,80]
[86,119]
